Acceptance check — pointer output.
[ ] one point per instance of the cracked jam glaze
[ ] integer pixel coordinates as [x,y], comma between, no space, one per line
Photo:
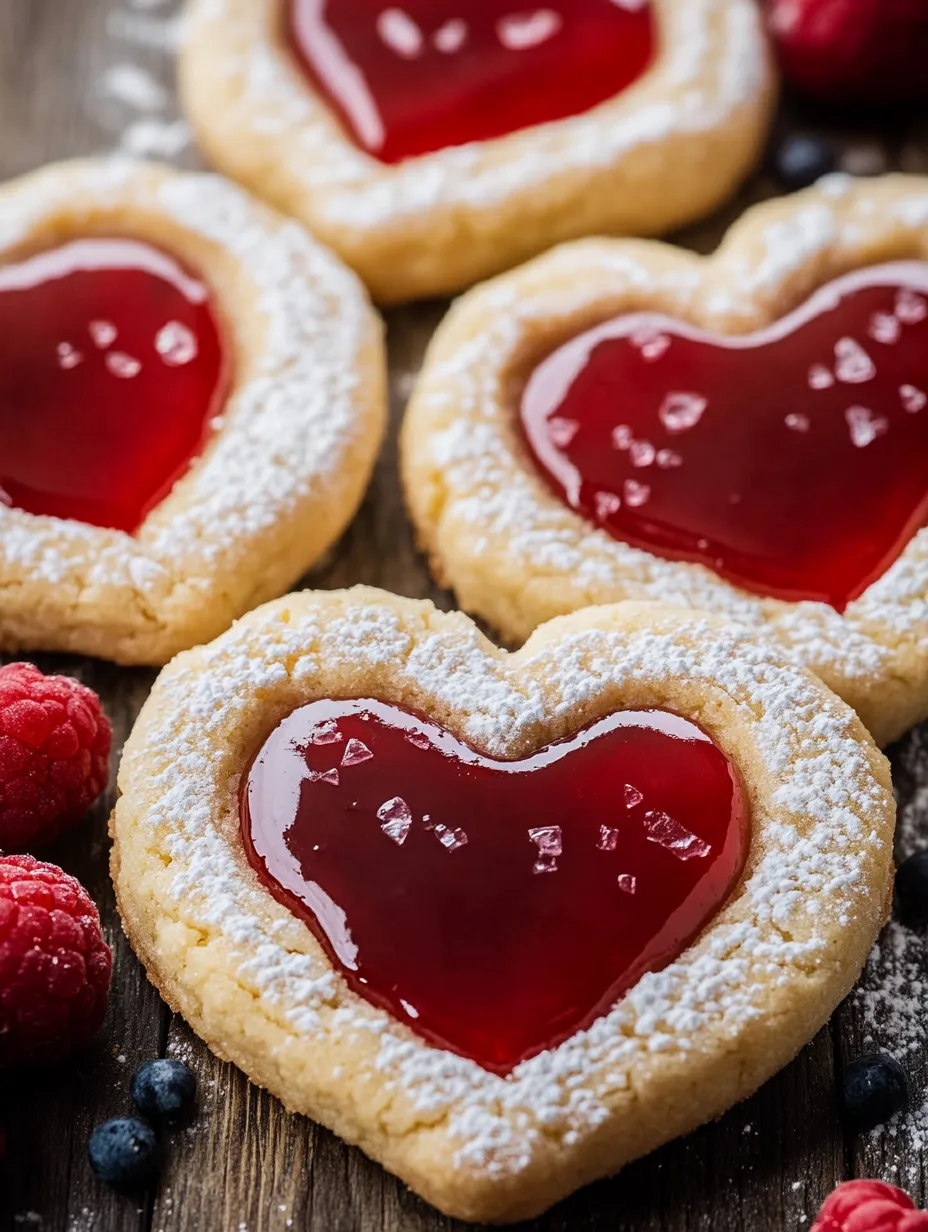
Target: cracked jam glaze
[425,75]
[790,461]
[495,907]
[112,371]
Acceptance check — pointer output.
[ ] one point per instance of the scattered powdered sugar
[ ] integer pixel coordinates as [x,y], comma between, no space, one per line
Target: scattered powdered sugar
[713,64]
[891,1001]
[788,244]
[134,86]
[502,517]
[155,138]
[130,98]
[145,30]
[288,422]
[823,805]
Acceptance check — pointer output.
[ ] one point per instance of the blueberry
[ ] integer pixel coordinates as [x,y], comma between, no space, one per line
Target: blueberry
[124,1153]
[875,1087]
[800,161]
[164,1090]
[912,890]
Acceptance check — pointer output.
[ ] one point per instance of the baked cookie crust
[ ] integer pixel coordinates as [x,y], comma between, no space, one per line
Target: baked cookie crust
[279,480]
[683,1045]
[664,152]
[517,556]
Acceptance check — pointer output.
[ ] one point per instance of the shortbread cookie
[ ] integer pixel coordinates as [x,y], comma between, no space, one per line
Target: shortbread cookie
[504,921]
[192,397]
[744,433]
[415,140]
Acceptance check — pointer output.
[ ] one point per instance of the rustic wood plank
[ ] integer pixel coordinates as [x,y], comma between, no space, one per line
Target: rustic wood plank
[244,1163]
[48,53]
[887,1012]
[50,1114]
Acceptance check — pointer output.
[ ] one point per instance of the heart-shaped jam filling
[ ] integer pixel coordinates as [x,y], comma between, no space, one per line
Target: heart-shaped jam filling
[791,461]
[418,77]
[112,371]
[496,907]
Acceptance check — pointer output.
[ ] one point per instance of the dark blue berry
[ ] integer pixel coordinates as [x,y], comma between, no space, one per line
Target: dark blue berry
[875,1088]
[912,890]
[164,1090]
[800,161]
[124,1153]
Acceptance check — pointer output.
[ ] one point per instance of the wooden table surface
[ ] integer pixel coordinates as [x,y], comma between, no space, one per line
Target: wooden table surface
[245,1165]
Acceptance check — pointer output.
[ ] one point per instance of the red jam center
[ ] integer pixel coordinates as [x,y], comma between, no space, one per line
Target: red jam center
[426,74]
[496,907]
[112,370]
[791,461]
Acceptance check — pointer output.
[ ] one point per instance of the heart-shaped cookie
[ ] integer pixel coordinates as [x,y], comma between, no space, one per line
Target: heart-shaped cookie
[698,821]
[640,816]
[414,139]
[742,433]
[191,402]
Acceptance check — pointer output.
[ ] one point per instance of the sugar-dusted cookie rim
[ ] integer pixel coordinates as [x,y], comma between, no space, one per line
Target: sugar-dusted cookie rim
[517,556]
[281,477]
[665,151]
[255,984]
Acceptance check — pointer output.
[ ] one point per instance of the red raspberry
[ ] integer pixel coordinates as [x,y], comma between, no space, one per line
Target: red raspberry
[863,52]
[870,1206]
[54,964]
[54,755]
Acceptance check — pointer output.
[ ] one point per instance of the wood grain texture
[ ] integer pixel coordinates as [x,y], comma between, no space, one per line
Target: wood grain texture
[245,1165]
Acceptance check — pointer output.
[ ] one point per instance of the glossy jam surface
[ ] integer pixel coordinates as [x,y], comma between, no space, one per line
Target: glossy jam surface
[427,74]
[495,907]
[112,370]
[793,461]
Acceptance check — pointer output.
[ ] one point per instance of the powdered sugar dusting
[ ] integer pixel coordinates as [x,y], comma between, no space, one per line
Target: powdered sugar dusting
[134,86]
[288,423]
[824,804]
[155,138]
[496,509]
[697,87]
[889,1004]
[131,99]
[145,29]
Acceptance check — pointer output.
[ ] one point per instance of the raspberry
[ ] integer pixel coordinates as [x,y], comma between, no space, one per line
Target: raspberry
[870,1206]
[54,964]
[54,755]
[863,52]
